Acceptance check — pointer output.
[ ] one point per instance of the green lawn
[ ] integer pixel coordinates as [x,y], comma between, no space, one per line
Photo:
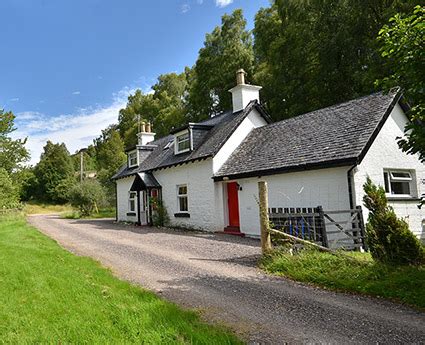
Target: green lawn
[356,274]
[49,295]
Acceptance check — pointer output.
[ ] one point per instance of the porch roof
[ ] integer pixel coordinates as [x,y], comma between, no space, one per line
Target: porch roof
[144,181]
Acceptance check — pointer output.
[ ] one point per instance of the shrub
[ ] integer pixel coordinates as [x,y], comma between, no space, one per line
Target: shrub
[389,238]
[9,193]
[87,196]
[160,214]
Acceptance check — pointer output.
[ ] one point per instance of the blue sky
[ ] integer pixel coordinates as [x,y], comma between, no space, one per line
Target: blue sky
[66,67]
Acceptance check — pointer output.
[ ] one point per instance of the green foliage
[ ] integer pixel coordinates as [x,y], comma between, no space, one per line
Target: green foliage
[87,196]
[226,49]
[160,215]
[12,152]
[403,49]
[9,194]
[355,272]
[312,54]
[164,108]
[389,238]
[49,295]
[110,156]
[54,174]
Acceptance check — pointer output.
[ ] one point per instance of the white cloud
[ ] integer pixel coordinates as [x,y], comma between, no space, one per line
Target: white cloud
[200,2]
[76,130]
[16,99]
[185,8]
[223,3]
[76,92]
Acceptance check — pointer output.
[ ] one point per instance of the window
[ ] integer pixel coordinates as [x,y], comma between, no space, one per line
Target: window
[132,159]
[182,204]
[398,183]
[183,142]
[132,201]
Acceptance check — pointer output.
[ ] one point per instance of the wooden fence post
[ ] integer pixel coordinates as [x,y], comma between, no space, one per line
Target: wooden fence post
[323,226]
[266,244]
[362,227]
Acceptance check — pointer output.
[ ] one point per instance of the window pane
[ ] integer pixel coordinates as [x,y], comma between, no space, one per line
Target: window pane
[387,187]
[183,204]
[182,190]
[401,174]
[132,205]
[400,187]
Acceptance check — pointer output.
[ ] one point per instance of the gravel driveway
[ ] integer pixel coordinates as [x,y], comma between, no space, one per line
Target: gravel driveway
[217,275]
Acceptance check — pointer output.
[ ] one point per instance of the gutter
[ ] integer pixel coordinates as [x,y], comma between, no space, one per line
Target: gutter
[350,186]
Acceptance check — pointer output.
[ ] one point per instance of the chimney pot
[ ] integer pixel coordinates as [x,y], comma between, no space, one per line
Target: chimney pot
[148,127]
[143,128]
[240,77]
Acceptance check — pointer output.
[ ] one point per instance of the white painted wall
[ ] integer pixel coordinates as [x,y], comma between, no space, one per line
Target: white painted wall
[384,153]
[123,187]
[253,120]
[325,187]
[205,198]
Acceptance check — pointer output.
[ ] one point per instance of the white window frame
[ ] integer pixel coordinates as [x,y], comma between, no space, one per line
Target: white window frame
[182,196]
[130,159]
[390,176]
[132,202]
[187,140]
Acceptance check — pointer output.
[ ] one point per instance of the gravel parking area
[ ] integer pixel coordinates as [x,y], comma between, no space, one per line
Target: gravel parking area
[217,275]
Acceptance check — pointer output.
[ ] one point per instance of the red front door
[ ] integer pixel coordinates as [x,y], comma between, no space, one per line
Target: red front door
[233,204]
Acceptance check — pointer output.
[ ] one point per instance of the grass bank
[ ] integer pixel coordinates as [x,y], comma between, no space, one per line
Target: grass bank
[358,273]
[49,295]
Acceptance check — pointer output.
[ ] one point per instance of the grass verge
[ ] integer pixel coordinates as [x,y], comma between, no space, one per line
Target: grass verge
[43,208]
[103,213]
[49,295]
[357,273]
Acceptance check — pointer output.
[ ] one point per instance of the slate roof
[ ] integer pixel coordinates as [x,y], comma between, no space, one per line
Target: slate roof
[337,135]
[223,125]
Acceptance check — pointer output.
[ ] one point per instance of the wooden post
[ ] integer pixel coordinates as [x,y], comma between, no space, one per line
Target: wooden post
[81,165]
[362,227]
[323,227]
[266,244]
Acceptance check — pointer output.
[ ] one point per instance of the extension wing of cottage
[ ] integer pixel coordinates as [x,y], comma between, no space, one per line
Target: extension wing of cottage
[206,173]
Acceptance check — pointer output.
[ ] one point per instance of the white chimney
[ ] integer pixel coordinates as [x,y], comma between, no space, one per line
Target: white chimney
[243,93]
[145,136]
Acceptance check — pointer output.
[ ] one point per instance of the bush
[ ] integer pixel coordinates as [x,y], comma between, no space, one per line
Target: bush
[87,196]
[9,193]
[160,214]
[389,238]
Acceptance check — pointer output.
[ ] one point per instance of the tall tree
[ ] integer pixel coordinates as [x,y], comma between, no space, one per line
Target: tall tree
[164,108]
[12,152]
[110,157]
[311,54]
[403,49]
[226,49]
[54,173]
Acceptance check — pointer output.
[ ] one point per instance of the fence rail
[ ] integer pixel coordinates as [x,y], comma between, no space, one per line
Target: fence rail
[331,229]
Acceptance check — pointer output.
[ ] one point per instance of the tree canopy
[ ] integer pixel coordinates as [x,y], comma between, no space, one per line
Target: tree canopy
[12,152]
[403,49]
[54,173]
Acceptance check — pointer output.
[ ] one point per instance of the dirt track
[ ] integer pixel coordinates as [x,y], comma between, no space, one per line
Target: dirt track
[217,275]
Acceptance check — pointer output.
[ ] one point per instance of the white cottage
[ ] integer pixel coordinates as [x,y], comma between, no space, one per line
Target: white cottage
[207,173]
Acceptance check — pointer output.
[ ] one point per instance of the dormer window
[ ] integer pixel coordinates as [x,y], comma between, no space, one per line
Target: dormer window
[182,142]
[132,159]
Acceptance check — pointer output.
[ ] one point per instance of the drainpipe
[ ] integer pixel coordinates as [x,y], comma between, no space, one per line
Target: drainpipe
[350,186]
